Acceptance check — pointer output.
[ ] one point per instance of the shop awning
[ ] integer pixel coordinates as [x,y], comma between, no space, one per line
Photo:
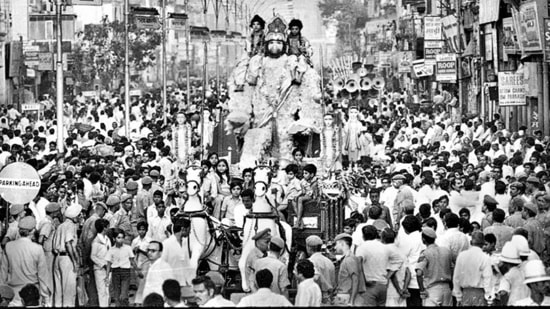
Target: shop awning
[488,11]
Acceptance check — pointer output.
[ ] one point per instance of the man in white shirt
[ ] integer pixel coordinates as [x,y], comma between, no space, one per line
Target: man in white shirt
[159,271]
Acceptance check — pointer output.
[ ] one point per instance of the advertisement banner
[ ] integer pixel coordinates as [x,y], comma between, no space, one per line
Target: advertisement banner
[431,49]
[405,62]
[446,68]
[422,69]
[432,28]
[509,41]
[511,89]
[450,32]
[547,39]
[384,59]
[529,29]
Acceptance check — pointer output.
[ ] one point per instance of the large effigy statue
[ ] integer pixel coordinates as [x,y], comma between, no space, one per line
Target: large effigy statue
[271,91]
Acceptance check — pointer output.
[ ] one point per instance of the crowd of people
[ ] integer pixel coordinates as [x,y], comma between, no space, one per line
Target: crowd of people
[438,213]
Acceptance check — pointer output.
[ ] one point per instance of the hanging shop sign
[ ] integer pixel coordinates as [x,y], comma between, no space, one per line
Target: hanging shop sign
[511,89]
[432,28]
[431,49]
[547,39]
[528,27]
[445,68]
[146,18]
[178,21]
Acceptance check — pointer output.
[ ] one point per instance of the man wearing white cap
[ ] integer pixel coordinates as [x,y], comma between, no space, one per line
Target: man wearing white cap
[536,279]
[24,263]
[67,261]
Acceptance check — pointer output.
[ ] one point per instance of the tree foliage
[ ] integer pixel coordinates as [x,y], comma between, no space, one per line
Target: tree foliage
[346,13]
[100,52]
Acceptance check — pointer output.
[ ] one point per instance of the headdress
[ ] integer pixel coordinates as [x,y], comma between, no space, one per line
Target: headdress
[296,23]
[276,30]
[258,19]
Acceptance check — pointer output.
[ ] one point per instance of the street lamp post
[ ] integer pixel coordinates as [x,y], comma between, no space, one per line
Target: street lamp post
[59,77]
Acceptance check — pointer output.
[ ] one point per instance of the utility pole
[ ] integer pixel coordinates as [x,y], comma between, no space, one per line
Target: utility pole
[59,78]
[126,68]
[187,60]
[457,118]
[163,63]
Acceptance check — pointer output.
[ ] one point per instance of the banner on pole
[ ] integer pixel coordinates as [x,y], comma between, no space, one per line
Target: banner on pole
[445,68]
[511,89]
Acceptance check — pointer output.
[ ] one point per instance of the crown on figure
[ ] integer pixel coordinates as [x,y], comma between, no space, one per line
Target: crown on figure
[276,29]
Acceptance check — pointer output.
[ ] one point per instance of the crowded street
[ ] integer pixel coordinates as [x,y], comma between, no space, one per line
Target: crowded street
[268,153]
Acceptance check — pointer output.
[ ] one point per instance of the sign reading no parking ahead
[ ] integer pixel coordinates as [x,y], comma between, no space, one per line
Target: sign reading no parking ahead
[19,183]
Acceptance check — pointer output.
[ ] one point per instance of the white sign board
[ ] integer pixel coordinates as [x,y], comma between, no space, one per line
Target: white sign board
[432,28]
[511,89]
[135,92]
[177,24]
[31,107]
[19,183]
[445,67]
[147,22]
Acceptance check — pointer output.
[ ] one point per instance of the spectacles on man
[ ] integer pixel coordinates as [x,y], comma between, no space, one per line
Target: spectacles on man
[152,250]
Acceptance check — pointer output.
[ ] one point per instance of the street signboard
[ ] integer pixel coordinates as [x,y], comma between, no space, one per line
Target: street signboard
[511,89]
[147,22]
[177,24]
[177,21]
[431,49]
[445,68]
[432,28]
[19,183]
